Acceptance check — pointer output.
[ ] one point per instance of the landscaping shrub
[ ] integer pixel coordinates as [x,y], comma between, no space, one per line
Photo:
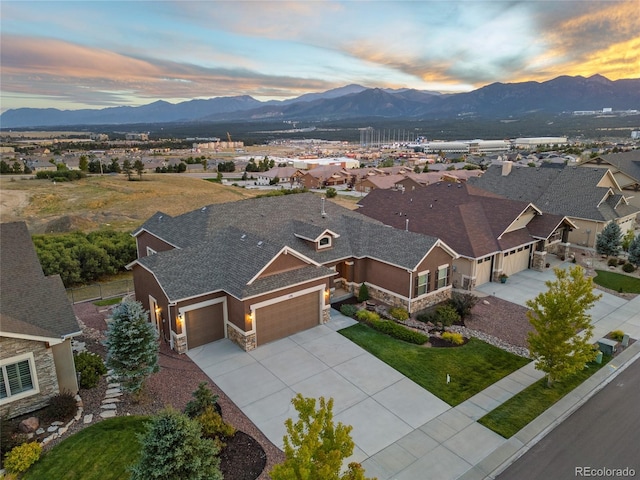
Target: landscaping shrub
[348,310]
[446,316]
[214,427]
[363,293]
[90,367]
[628,268]
[617,335]
[621,261]
[399,313]
[20,458]
[331,192]
[62,407]
[9,436]
[395,330]
[452,337]
[367,316]
[612,262]
[426,317]
[61,175]
[203,398]
[463,303]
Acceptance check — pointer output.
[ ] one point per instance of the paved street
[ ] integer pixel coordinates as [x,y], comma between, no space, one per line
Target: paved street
[604,432]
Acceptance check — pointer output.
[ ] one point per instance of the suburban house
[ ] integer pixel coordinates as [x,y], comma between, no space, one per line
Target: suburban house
[36,327]
[324,176]
[624,166]
[492,235]
[290,175]
[589,197]
[261,269]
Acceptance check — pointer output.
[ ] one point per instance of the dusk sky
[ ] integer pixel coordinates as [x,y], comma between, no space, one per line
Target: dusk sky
[93,54]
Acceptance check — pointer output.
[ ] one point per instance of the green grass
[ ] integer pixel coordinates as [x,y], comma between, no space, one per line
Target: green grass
[107,302]
[617,282]
[103,451]
[472,367]
[517,412]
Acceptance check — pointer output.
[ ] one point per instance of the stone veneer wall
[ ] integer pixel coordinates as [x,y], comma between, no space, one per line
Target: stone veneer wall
[432,299]
[45,372]
[539,261]
[416,305]
[245,342]
[326,314]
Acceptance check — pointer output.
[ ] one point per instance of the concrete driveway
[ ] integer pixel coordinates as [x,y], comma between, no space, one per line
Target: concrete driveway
[382,405]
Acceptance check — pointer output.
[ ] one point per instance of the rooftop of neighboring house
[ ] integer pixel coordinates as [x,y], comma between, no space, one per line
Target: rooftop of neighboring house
[575,192]
[31,303]
[226,245]
[280,172]
[627,162]
[471,221]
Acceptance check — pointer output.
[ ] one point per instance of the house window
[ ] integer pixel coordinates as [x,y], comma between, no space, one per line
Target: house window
[18,377]
[151,251]
[443,276]
[324,242]
[422,284]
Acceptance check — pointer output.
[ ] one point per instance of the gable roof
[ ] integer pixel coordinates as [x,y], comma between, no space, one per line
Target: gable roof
[31,304]
[473,222]
[569,191]
[224,246]
[627,162]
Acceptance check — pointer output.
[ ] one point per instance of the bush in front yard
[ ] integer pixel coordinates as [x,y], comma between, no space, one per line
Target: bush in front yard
[62,407]
[348,310]
[426,317]
[395,330]
[399,313]
[452,337]
[20,458]
[90,367]
[446,316]
[363,293]
[463,303]
[214,427]
[612,262]
[628,268]
[367,316]
[203,398]
[617,335]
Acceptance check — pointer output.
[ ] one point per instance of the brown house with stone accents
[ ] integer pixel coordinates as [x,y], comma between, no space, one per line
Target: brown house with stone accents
[261,269]
[492,235]
[36,327]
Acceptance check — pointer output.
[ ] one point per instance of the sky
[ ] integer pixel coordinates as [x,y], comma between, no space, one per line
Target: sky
[96,54]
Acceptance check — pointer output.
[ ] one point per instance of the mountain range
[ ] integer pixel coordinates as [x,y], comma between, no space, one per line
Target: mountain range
[497,100]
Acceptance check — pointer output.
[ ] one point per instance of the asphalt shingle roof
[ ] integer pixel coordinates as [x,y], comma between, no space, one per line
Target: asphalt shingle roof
[30,302]
[218,244]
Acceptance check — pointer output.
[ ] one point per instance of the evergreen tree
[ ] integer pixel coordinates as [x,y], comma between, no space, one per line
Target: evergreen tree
[127,169]
[634,251]
[173,449]
[609,240]
[138,166]
[560,343]
[314,447]
[132,346]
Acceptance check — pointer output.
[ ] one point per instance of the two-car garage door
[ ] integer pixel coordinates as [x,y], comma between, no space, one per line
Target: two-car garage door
[287,317]
[516,260]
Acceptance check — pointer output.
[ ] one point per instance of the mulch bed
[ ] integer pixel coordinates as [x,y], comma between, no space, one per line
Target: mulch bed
[501,319]
[438,342]
[247,456]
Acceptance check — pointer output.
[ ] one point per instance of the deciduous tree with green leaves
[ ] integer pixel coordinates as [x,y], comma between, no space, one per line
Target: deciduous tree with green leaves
[314,447]
[132,346]
[560,343]
[609,240]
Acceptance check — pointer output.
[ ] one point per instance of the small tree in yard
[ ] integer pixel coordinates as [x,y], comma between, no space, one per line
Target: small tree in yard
[363,293]
[634,251]
[314,447]
[560,342]
[173,449]
[609,240]
[132,346]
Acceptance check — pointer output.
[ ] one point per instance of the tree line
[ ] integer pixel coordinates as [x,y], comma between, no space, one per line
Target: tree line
[81,258]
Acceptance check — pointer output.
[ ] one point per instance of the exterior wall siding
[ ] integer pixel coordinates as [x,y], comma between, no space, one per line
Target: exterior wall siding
[282,264]
[45,373]
[145,284]
[145,240]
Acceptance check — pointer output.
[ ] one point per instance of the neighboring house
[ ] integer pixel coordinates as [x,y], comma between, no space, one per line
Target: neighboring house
[492,235]
[288,175]
[36,327]
[324,176]
[374,182]
[261,269]
[589,197]
[624,166]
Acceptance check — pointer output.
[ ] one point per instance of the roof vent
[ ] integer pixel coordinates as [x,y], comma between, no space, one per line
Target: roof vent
[431,205]
[260,243]
[160,217]
[243,236]
[203,209]
[324,214]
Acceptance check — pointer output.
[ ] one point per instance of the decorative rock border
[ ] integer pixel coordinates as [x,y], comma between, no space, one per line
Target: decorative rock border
[56,429]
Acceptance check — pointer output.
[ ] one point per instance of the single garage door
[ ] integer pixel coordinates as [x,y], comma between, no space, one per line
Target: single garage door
[204,325]
[287,317]
[516,261]
[483,271]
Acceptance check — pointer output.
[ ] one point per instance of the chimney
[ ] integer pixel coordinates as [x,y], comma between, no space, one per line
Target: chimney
[324,214]
[506,167]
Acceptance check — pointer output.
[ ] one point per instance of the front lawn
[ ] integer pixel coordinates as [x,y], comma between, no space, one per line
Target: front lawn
[513,415]
[472,367]
[103,451]
[617,282]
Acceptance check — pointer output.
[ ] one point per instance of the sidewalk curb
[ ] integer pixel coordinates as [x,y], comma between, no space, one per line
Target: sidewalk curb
[531,443]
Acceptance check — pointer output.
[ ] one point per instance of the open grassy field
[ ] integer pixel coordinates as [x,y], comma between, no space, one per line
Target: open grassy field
[111,200]
[100,201]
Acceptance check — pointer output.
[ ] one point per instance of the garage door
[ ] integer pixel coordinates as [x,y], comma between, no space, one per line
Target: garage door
[483,271]
[287,317]
[204,325]
[516,261]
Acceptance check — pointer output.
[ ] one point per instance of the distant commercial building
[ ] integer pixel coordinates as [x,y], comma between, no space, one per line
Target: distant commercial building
[143,137]
[99,137]
[529,142]
[635,134]
[488,146]
[446,147]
